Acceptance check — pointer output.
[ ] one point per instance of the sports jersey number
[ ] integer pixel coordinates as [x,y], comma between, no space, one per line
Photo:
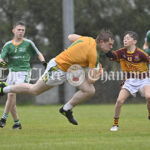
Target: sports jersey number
[129,58]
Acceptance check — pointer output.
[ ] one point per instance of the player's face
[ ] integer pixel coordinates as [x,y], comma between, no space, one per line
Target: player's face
[128,41]
[106,46]
[19,31]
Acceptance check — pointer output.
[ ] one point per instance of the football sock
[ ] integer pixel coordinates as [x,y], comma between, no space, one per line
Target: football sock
[67,106]
[6,89]
[5,116]
[16,121]
[116,121]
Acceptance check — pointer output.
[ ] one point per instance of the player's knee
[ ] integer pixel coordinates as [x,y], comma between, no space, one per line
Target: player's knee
[147,96]
[11,95]
[91,91]
[119,102]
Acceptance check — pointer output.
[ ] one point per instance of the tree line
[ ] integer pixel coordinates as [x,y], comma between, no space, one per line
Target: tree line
[44,21]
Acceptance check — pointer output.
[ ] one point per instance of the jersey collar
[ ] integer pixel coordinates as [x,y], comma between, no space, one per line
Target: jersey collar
[16,44]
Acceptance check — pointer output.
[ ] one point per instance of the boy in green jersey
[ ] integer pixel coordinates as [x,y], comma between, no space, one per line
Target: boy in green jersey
[18,52]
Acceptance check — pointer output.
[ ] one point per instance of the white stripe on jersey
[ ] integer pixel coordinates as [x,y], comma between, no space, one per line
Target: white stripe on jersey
[35,48]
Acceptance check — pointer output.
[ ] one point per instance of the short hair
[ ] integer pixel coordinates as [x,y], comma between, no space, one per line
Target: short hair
[132,34]
[19,23]
[104,35]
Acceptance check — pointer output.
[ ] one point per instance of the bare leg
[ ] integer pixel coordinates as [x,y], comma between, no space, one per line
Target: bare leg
[86,90]
[123,95]
[34,89]
[14,112]
[11,101]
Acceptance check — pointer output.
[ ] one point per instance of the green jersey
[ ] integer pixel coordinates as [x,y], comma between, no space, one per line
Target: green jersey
[18,56]
[147,38]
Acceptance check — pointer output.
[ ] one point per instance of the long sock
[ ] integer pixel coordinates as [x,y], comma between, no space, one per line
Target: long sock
[5,116]
[17,121]
[116,120]
[6,89]
[67,106]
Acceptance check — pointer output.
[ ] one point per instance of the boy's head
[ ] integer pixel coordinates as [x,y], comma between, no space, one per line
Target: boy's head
[104,40]
[130,38]
[19,30]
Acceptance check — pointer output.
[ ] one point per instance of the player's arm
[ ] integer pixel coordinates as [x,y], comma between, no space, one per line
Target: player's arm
[42,59]
[3,55]
[35,51]
[145,46]
[73,37]
[94,74]
[115,55]
[145,57]
[95,69]
[110,55]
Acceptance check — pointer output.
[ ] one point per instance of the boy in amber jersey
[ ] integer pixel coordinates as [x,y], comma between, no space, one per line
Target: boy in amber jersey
[82,52]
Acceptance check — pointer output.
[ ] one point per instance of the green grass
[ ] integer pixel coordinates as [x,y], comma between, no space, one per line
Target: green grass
[45,129]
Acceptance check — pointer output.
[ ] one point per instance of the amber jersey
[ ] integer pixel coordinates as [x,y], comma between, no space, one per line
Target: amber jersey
[132,62]
[82,52]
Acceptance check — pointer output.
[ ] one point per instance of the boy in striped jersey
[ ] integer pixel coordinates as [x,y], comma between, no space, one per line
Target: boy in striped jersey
[18,52]
[134,64]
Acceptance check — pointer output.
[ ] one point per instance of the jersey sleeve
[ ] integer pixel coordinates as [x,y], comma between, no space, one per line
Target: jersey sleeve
[145,57]
[117,55]
[4,52]
[34,49]
[147,38]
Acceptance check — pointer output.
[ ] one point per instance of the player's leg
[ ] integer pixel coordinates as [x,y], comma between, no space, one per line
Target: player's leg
[123,95]
[86,90]
[26,88]
[14,113]
[11,101]
[146,93]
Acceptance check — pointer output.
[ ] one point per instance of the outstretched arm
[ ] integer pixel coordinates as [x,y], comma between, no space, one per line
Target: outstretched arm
[73,37]
[42,59]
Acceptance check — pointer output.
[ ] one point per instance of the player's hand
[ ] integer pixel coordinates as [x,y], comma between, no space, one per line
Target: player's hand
[3,64]
[95,73]
[44,63]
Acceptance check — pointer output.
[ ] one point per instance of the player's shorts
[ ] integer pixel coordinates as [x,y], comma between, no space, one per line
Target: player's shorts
[53,75]
[18,77]
[136,85]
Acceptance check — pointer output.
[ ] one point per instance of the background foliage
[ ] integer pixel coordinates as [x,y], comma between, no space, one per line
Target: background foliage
[45,27]
[44,20]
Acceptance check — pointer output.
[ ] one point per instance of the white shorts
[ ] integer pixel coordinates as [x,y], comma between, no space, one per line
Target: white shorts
[136,85]
[18,77]
[53,75]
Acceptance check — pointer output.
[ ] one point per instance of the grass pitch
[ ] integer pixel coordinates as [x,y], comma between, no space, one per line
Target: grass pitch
[45,129]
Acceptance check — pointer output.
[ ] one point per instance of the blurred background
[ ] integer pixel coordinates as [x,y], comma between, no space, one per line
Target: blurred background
[49,22]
